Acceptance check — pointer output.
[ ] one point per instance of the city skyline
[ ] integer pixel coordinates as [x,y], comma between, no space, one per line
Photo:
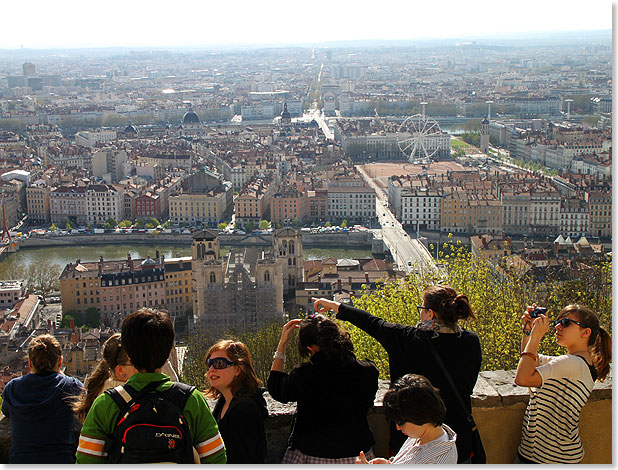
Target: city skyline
[46,25]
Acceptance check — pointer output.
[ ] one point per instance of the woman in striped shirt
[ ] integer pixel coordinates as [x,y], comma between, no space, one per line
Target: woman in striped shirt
[560,385]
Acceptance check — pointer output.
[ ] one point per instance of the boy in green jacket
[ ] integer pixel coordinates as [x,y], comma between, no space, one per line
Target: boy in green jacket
[148,337]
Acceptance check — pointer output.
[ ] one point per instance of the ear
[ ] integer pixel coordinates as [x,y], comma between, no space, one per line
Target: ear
[59,366]
[119,373]
[432,314]
[586,332]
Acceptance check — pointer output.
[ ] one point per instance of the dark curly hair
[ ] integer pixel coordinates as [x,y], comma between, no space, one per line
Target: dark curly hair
[333,341]
[412,399]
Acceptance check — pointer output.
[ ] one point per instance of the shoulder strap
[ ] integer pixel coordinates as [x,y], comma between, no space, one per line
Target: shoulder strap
[124,395]
[451,383]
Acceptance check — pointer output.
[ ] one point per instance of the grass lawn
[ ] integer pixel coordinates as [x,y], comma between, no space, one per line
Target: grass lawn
[457,144]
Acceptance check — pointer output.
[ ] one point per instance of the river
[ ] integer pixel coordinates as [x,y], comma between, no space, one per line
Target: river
[62,255]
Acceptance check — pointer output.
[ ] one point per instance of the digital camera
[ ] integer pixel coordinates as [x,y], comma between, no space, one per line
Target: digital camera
[537,311]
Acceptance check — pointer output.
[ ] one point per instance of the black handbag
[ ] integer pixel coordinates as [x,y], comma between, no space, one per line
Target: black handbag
[478,451]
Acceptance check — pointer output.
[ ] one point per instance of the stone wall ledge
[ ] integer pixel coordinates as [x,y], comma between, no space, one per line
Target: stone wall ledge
[497,404]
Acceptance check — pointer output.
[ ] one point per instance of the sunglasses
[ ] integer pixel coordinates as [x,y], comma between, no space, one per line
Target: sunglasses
[219,363]
[421,308]
[564,322]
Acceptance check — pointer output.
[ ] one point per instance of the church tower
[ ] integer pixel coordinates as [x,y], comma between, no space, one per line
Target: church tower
[288,251]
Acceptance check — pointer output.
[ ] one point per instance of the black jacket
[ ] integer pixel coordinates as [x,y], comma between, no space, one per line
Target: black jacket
[42,422]
[409,353]
[242,427]
[333,399]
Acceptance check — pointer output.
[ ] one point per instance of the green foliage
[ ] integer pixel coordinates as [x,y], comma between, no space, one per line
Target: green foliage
[344,223]
[140,223]
[498,298]
[327,224]
[126,223]
[92,317]
[222,226]
[53,227]
[110,223]
[69,226]
[250,226]
[41,277]
[473,138]
[473,125]
[262,344]
[154,222]
[264,224]
[498,301]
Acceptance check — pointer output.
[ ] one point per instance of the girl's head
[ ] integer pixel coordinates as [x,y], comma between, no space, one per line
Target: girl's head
[447,306]
[332,341]
[44,354]
[116,359]
[412,402]
[114,364]
[229,366]
[588,331]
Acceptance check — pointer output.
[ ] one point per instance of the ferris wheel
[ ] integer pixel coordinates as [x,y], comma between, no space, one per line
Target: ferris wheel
[417,137]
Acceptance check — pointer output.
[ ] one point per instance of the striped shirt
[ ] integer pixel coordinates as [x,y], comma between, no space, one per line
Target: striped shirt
[439,451]
[550,432]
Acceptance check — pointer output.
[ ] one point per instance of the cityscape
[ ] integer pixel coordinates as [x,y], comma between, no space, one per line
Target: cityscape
[240,158]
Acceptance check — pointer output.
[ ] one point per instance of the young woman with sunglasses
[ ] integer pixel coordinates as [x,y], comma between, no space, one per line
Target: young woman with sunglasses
[559,385]
[409,352]
[241,409]
[333,391]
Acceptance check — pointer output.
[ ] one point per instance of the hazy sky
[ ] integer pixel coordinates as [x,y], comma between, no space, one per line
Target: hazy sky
[134,23]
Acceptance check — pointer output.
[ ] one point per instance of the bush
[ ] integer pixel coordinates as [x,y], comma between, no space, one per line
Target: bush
[498,298]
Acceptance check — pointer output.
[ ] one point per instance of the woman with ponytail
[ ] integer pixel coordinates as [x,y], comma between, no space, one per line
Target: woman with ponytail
[333,390]
[559,385]
[410,352]
[113,369]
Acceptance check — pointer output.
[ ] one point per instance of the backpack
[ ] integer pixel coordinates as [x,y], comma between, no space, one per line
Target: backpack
[151,427]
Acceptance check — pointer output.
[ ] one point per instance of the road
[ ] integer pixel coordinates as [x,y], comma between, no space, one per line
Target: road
[408,253]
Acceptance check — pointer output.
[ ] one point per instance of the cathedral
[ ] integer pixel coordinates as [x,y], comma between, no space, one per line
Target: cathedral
[243,290]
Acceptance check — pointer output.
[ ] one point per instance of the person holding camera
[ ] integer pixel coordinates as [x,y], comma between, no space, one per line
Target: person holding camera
[333,391]
[417,350]
[559,385]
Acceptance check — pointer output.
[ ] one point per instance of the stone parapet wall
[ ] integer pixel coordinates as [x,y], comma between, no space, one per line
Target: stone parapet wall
[498,407]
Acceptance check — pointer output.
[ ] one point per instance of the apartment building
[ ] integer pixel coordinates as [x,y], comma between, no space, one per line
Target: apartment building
[531,212]
[178,287]
[67,156]
[253,202]
[455,212]
[600,210]
[486,214]
[317,202]
[91,139]
[113,286]
[287,205]
[37,202]
[198,208]
[574,217]
[352,203]
[109,164]
[490,248]
[103,201]
[420,208]
[11,292]
[68,204]
[148,206]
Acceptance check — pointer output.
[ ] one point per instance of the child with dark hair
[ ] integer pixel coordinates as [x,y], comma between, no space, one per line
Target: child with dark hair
[38,405]
[148,337]
[333,391]
[416,408]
